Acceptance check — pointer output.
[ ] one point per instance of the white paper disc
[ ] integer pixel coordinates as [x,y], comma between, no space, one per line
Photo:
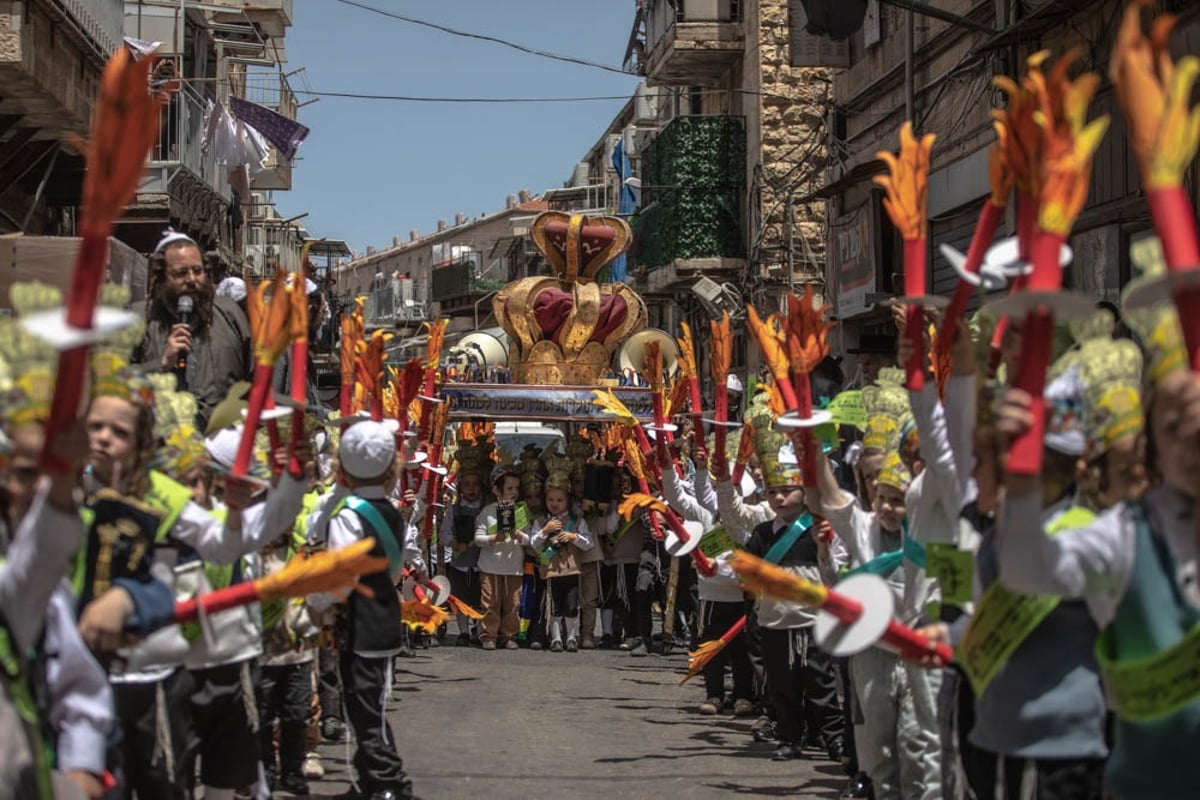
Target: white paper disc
[792,419]
[1066,305]
[676,546]
[878,604]
[51,326]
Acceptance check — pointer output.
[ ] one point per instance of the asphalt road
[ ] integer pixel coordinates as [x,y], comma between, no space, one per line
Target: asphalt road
[523,724]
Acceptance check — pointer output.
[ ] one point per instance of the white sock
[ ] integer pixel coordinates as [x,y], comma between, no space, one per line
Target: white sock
[464,623]
[573,629]
[556,630]
[606,621]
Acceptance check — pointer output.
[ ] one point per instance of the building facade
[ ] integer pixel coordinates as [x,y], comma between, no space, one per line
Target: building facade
[952,95]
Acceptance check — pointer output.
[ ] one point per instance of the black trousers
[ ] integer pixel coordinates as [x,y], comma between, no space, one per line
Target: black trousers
[754,652]
[376,761]
[141,769]
[285,695]
[564,596]
[1056,778]
[802,685]
[715,619]
[625,623]
[465,585]
[329,684]
[226,745]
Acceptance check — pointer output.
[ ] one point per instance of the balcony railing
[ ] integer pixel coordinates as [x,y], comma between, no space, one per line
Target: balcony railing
[693,176]
[690,42]
[386,307]
[271,89]
[459,281]
[181,133]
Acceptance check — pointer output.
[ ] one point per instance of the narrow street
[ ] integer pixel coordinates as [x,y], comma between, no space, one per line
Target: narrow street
[594,724]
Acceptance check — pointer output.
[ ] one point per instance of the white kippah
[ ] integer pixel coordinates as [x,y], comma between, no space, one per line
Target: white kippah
[233,288]
[367,449]
[171,235]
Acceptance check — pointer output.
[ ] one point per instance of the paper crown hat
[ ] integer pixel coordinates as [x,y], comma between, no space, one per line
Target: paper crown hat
[579,450]
[529,468]
[182,452]
[1063,395]
[558,468]
[475,457]
[1111,372]
[894,473]
[777,458]
[1156,326]
[889,413]
[26,361]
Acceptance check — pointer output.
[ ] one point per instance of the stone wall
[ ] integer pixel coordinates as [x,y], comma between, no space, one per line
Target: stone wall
[793,104]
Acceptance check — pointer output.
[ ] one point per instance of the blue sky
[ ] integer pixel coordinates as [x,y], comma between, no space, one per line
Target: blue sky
[373,169]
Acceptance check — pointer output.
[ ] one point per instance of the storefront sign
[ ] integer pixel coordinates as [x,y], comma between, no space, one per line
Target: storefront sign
[554,403]
[853,249]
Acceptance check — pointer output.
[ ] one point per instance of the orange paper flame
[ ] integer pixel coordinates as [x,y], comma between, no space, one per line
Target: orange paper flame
[368,365]
[324,571]
[1020,136]
[687,354]
[609,402]
[721,349]
[1155,94]
[771,340]
[764,578]
[433,345]
[1069,143]
[270,319]
[907,183]
[806,329]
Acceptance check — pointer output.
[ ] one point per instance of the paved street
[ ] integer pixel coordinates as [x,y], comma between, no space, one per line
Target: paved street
[596,724]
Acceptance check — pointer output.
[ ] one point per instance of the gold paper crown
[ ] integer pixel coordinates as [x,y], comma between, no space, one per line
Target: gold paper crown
[529,468]
[894,473]
[182,451]
[475,457]
[771,446]
[28,401]
[888,411]
[559,468]
[573,347]
[1156,326]
[112,376]
[579,451]
[1111,371]
[26,361]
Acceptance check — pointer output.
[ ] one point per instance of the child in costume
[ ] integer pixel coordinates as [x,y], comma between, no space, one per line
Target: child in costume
[889,741]
[561,537]
[367,453]
[501,533]
[1135,566]
[596,489]
[457,536]
[622,546]
[800,677]
[722,604]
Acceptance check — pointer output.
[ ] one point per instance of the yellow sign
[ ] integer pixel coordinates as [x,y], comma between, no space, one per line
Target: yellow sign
[954,570]
[848,409]
[716,542]
[1001,622]
[1146,688]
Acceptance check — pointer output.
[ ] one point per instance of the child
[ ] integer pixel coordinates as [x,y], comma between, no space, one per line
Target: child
[622,544]
[501,534]
[367,453]
[800,676]
[458,530]
[561,538]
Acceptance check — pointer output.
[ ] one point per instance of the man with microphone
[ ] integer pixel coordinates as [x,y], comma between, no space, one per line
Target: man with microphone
[201,338]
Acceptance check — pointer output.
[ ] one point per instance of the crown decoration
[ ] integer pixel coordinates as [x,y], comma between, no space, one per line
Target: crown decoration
[579,452]
[182,452]
[476,450]
[558,469]
[529,468]
[566,326]
[777,458]
[889,412]
[1111,371]
[894,473]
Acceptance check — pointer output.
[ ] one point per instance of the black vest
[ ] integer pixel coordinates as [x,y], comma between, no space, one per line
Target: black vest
[802,554]
[374,622]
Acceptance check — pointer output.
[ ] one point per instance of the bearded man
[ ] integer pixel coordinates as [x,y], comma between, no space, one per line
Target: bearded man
[208,347]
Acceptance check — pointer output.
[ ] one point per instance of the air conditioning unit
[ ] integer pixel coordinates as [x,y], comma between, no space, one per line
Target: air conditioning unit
[581,175]
[647,103]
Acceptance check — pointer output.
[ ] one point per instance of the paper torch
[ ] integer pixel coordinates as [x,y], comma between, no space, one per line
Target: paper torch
[270,327]
[906,184]
[1164,131]
[124,126]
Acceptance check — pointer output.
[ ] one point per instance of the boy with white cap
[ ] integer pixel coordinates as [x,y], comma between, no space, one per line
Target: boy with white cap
[367,453]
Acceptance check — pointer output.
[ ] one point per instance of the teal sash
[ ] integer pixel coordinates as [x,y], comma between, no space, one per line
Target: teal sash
[785,542]
[383,532]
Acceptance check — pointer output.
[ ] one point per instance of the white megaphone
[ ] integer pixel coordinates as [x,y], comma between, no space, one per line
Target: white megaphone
[477,349]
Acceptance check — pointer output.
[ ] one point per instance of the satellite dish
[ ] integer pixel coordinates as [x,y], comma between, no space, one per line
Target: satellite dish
[632,354]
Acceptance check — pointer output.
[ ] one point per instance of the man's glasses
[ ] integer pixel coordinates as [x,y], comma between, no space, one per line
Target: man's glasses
[182,272]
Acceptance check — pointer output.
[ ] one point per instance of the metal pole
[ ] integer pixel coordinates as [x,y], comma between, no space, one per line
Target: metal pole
[909,99]
[37,196]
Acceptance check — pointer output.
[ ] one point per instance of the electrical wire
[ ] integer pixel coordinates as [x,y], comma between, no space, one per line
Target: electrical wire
[485,38]
[428,99]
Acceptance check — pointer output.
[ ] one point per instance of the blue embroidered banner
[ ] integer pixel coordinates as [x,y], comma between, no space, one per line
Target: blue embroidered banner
[560,403]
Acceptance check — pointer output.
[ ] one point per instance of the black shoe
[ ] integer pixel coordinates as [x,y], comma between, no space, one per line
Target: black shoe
[786,752]
[463,640]
[859,786]
[293,784]
[834,751]
[766,733]
[606,642]
[333,730]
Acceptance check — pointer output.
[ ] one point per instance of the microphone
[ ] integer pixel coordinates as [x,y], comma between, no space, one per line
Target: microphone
[183,310]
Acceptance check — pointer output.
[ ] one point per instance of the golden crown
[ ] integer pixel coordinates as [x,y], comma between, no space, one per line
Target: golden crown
[888,411]
[559,468]
[1111,371]
[566,326]
[894,473]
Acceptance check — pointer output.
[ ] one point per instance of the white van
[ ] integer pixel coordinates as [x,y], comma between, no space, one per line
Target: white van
[513,436]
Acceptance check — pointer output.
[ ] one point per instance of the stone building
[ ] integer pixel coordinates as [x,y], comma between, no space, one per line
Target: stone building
[730,135]
[953,63]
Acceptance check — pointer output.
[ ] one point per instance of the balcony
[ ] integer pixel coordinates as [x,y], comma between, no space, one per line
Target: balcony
[389,307]
[691,42]
[690,219]
[459,286]
[177,163]
[271,89]
[273,17]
